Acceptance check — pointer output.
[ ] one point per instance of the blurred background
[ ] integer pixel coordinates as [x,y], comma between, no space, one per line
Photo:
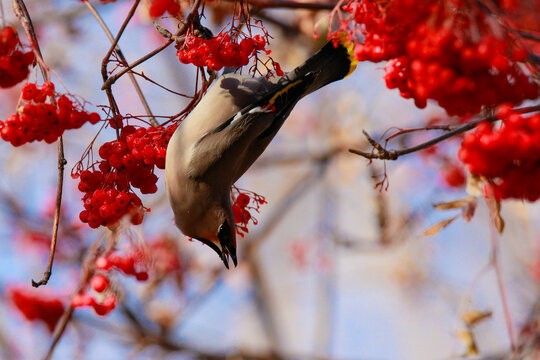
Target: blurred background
[336,268]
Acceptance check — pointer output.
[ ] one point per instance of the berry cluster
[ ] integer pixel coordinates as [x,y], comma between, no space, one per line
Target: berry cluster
[40,121]
[165,253]
[14,64]
[100,282]
[219,51]
[508,155]
[129,264]
[157,8]
[107,207]
[241,209]
[101,308]
[441,50]
[33,306]
[127,162]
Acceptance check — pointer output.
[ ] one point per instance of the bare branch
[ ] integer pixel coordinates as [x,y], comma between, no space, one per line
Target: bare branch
[59,189]
[182,30]
[22,14]
[285,4]
[384,154]
[115,47]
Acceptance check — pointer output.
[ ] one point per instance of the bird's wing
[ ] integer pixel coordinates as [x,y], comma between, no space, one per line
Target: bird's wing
[259,109]
[219,155]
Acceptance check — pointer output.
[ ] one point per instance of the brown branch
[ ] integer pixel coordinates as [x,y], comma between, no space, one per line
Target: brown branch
[285,4]
[262,292]
[20,10]
[115,47]
[22,14]
[182,30]
[385,154]
[59,189]
[87,267]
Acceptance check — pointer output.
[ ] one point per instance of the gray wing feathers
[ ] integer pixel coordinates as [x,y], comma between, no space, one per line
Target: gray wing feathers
[221,156]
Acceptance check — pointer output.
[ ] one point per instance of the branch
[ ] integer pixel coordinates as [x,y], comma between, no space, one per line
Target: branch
[64,320]
[193,12]
[286,4]
[59,187]
[115,47]
[22,14]
[385,154]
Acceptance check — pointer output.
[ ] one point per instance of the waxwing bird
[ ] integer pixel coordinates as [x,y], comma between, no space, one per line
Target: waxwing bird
[226,132]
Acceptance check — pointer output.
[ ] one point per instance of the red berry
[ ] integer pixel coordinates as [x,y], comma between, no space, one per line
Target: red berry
[99,283]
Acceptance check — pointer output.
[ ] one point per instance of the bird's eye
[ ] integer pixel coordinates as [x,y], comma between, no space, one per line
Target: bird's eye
[224,234]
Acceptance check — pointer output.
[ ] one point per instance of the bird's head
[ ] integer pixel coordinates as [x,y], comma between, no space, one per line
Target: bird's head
[222,237]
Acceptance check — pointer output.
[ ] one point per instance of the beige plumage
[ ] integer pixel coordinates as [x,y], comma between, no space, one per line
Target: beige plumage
[225,133]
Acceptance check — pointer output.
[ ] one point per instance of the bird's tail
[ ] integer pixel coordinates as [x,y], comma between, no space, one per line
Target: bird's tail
[333,62]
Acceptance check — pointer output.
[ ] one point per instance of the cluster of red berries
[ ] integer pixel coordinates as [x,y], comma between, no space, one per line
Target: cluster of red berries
[241,209]
[40,121]
[129,264]
[507,155]
[107,207]
[37,306]
[157,8]
[104,307]
[437,52]
[138,147]
[219,51]
[100,283]
[128,162]
[14,64]
[165,253]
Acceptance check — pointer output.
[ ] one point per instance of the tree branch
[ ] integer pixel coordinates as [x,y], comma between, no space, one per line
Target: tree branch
[384,154]
[182,30]
[115,47]
[286,4]
[22,14]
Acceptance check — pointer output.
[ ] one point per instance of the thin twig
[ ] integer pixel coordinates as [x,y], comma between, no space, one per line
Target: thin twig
[182,30]
[115,47]
[384,154]
[262,292]
[22,13]
[85,277]
[59,189]
[502,290]
[284,4]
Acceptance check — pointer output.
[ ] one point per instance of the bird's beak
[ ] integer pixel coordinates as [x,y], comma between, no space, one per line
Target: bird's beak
[222,253]
[224,257]
[227,247]
[228,250]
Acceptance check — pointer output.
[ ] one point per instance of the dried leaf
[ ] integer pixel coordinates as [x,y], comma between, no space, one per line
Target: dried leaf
[456,204]
[474,316]
[494,207]
[468,211]
[467,338]
[435,229]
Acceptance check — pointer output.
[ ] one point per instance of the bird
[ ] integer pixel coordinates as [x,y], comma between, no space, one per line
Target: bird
[227,131]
